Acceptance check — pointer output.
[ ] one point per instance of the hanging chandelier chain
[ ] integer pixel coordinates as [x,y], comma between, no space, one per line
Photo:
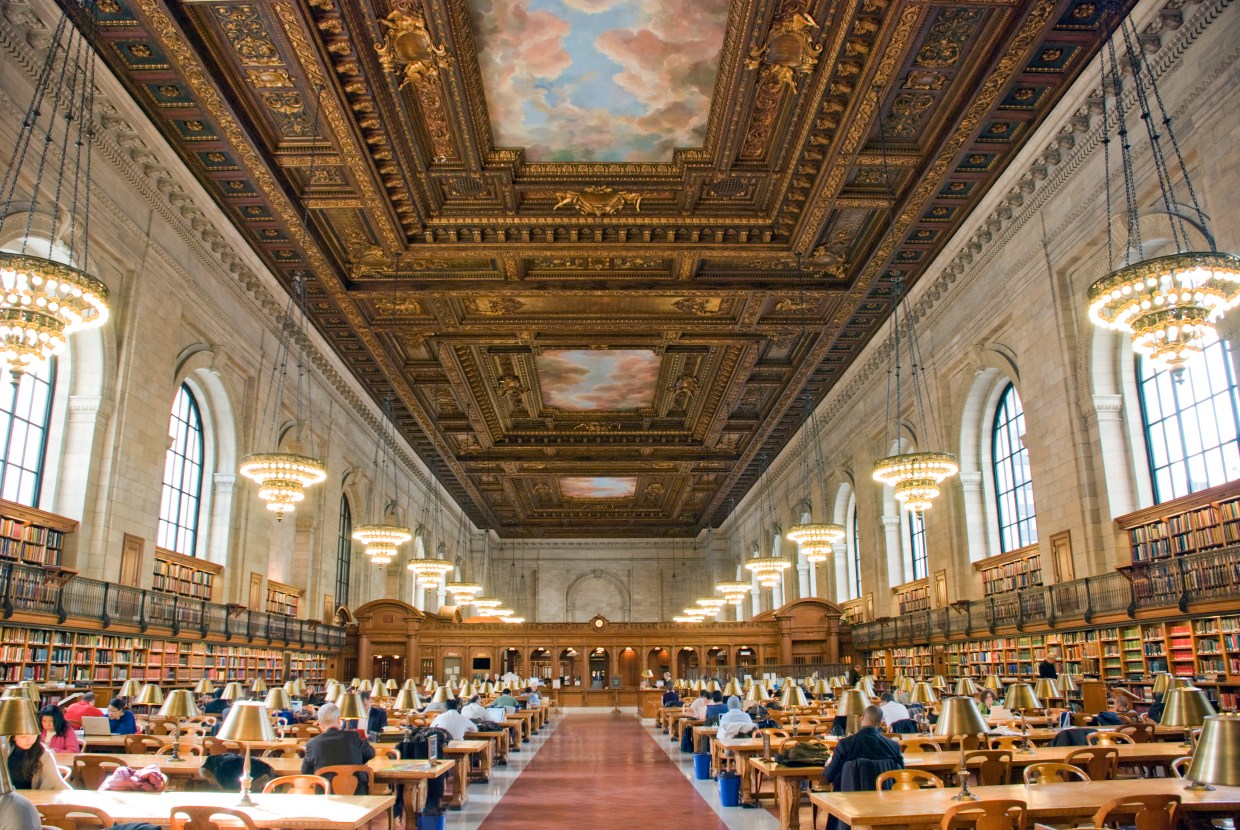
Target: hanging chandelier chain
[1106,166]
[1130,190]
[64,94]
[85,138]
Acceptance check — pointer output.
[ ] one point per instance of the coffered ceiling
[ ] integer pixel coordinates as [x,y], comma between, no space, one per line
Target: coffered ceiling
[606,252]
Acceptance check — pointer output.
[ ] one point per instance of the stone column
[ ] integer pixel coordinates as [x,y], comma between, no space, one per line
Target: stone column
[891,532]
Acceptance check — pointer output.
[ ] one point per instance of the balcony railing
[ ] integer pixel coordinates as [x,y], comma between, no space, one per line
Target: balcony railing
[1178,582]
[50,591]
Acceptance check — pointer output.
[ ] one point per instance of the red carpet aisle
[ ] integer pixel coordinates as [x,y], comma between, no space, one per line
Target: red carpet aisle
[601,771]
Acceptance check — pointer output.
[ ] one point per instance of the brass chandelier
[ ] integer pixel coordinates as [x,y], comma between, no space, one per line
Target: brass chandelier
[734,592]
[817,539]
[769,569]
[1168,304]
[382,539]
[42,300]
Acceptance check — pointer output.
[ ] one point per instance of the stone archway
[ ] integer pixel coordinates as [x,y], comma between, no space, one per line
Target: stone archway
[597,593]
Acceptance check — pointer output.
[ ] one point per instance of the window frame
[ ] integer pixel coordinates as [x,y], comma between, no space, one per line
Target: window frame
[195,427]
[1007,422]
[918,550]
[344,552]
[854,552]
[10,418]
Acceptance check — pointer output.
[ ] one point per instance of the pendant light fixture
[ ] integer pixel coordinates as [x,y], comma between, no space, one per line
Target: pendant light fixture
[432,571]
[768,569]
[44,298]
[916,476]
[1168,304]
[382,538]
[463,592]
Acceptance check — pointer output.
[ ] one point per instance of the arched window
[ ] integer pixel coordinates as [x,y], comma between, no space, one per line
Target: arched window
[917,544]
[1191,424]
[182,491]
[854,545]
[344,552]
[23,428]
[1013,480]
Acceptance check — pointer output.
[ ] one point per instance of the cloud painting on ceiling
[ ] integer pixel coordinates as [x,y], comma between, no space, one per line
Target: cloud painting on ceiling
[599,80]
[598,487]
[584,380]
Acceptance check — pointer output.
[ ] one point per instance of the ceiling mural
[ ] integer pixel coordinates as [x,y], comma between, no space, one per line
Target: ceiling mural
[598,80]
[605,254]
[598,487]
[612,379]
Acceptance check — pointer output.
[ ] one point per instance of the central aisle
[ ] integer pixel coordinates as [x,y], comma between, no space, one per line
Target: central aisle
[601,771]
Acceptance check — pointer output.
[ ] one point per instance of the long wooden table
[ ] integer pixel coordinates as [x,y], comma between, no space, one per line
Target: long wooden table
[116,743]
[925,808]
[304,812]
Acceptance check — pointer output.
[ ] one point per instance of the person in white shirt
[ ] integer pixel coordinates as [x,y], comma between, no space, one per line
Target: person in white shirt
[453,722]
[735,722]
[893,711]
[474,710]
[697,709]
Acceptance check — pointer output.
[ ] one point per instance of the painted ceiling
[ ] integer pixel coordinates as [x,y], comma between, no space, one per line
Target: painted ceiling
[605,253]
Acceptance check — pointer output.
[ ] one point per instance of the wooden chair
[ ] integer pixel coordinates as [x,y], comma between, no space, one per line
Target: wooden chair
[142,745]
[909,779]
[995,767]
[1147,812]
[1108,739]
[390,754]
[201,818]
[216,746]
[285,752]
[299,785]
[186,748]
[91,770]
[920,745]
[971,742]
[73,816]
[1051,772]
[1180,765]
[1011,742]
[1141,733]
[344,778]
[1101,763]
[1081,718]
[303,731]
[778,736]
[987,814]
[206,720]
[191,729]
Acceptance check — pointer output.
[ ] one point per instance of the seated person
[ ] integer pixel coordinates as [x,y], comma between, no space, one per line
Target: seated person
[120,718]
[216,705]
[987,701]
[533,699]
[1155,712]
[376,716]
[716,709]
[671,698]
[893,711]
[453,722]
[32,766]
[697,707]
[506,700]
[336,746]
[474,710]
[85,706]
[735,721]
[869,750]
[58,735]
[19,813]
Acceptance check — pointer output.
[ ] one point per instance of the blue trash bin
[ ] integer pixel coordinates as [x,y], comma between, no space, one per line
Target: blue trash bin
[435,822]
[701,765]
[729,789]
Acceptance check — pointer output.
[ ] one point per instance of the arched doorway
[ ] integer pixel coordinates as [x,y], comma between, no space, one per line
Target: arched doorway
[686,661]
[540,663]
[385,666]
[570,672]
[452,663]
[600,668]
[510,662]
[716,661]
[746,660]
[630,668]
[659,661]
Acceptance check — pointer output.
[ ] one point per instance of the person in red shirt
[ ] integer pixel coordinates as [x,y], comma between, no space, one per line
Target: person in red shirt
[85,707]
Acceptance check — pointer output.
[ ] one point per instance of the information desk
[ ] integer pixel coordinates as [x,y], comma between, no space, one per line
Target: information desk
[304,812]
[1060,803]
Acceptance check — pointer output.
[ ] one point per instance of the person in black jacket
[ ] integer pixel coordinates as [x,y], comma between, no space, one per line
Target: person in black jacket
[671,698]
[336,746]
[1047,667]
[868,743]
[376,717]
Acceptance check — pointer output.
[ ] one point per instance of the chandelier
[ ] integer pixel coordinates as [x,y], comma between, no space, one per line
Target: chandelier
[484,605]
[386,536]
[282,478]
[464,592]
[499,612]
[817,540]
[769,569]
[382,539]
[43,301]
[916,476]
[698,611]
[429,572]
[712,604]
[1169,304]
[513,620]
[687,619]
[734,592]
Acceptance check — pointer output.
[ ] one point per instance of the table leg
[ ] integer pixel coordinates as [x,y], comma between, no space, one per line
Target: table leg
[460,780]
[788,796]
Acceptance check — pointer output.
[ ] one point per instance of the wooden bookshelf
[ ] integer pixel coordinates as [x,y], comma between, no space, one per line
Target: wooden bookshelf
[283,599]
[31,535]
[1013,571]
[1198,522]
[185,576]
[913,596]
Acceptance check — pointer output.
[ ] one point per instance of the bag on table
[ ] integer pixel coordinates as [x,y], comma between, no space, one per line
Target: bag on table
[804,754]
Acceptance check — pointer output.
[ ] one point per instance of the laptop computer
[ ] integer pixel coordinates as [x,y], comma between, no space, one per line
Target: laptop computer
[497,715]
[94,725]
[999,713]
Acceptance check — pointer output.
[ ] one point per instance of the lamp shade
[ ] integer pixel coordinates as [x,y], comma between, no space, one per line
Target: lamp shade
[204,687]
[648,674]
[407,700]
[793,695]
[290,689]
[179,704]
[443,693]
[939,682]
[851,702]
[409,684]
[17,716]
[277,699]
[959,716]
[259,686]
[1215,761]
[714,686]
[1067,683]
[1045,689]
[466,691]
[866,684]
[363,686]
[1020,696]
[822,687]
[906,684]
[233,691]
[993,683]
[1186,707]
[1161,683]
[149,695]
[923,694]
[733,687]
[247,721]
[757,694]
[130,689]
[389,685]
[965,687]
[350,706]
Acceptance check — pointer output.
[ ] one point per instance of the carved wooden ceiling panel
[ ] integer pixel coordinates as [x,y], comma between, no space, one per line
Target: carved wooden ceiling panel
[584,347]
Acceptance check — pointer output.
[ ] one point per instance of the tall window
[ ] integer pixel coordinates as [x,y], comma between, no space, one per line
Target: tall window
[182,490]
[1191,424]
[23,428]
[855,552]
[344,552]
[1013,480]
[917,544]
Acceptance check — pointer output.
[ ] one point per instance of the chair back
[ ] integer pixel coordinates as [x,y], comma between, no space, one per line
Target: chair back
[344,778]
[90,771]
[988,814]
[289,751]
[1145,812]
[995,766]
[1180,765]
[390,754]
[1141,733]
[1081,718]
[971,742]
[302,731]
[1109,738]
[299,785]
[1053,772]
[191,729]
[217,746]
[203,818]
[142,745]
[185,748]
[920,745]
[1007,742]
[1100,762]
[73,816]
[908,779]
